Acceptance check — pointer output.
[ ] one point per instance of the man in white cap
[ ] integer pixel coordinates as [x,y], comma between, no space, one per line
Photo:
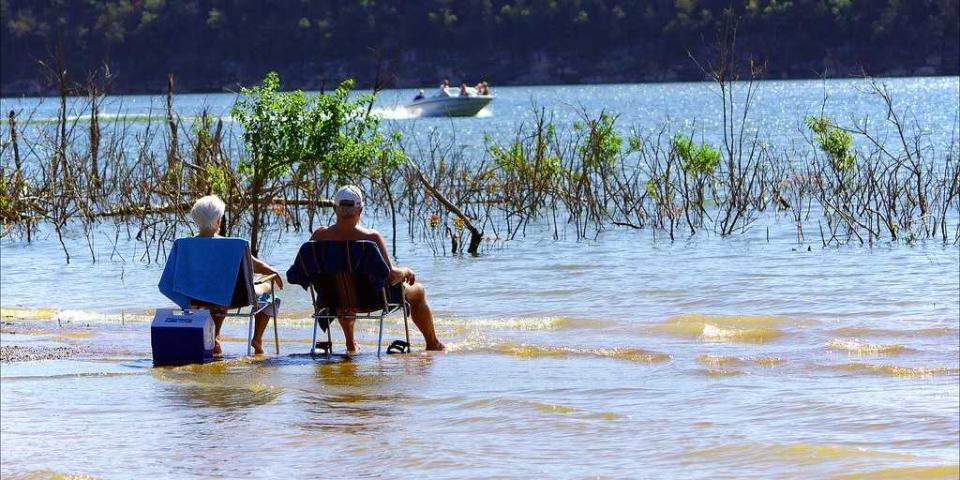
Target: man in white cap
[348,206]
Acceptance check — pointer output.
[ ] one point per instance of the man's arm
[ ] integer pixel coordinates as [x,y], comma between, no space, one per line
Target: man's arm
[259,266]
[397,274]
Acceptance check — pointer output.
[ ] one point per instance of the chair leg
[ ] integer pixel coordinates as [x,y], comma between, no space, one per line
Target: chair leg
[249,332]
[380,336]
[276,331]
[276,335]
[406,324]
[405,306]
[313,343]
[330,339]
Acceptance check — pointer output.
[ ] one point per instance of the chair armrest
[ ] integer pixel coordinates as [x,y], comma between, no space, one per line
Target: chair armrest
[265,279]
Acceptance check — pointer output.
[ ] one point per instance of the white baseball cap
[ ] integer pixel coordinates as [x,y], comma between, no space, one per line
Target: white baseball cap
[348,200]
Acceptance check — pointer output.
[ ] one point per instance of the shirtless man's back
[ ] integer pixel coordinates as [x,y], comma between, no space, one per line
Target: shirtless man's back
[348,205]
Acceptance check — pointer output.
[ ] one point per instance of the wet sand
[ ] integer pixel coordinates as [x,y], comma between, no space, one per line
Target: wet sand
[20,353]
[26,341]
[33,339]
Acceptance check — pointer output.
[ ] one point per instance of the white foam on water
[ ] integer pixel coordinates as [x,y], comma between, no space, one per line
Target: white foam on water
[859,347]
[79,316]
[398,112]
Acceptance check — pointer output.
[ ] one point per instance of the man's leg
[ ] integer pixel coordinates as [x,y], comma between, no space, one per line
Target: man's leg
[422,316]
[347,323]
[260,322]
[218,316]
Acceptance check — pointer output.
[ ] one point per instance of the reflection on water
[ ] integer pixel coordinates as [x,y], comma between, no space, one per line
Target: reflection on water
[917,473]
[741,328]
[893,370]
[225,384]
[508,408]
[859,347]
[547,351]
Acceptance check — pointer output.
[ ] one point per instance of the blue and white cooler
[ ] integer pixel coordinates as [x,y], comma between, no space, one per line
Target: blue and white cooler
[180,337]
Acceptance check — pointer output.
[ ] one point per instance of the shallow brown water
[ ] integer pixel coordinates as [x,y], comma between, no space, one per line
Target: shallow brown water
[756,362]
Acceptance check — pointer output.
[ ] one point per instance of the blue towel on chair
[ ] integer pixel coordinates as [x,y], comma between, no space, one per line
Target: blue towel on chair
[205,269]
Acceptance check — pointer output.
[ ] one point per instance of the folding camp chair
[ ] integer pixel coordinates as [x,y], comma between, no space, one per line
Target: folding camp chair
[258,307]
[244,293]
[348,279]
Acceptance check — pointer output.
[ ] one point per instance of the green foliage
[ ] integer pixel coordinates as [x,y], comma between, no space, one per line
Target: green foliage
[205,144]
[201,127]
[652,189]
[510,159]
[331,132]
[695,159]
[391,154]
[529,159]
[603,142]
[174,173]
[819,125]
[218,178]
[6,202]
[513,160]
[274,125]
[834,141]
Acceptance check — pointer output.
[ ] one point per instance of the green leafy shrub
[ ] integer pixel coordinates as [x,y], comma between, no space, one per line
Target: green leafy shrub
[603,142]
[695,159]
[6,202]
[218,179]
[282,129]
[333,135]
[834,141]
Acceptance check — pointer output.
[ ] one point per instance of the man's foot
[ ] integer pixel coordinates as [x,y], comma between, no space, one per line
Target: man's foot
[217,350]
[257,346]
[436,346]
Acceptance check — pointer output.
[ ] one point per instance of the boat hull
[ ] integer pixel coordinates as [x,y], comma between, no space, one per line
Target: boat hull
[448,106]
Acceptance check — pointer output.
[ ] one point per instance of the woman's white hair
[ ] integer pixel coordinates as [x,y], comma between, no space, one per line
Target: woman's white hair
[207,211]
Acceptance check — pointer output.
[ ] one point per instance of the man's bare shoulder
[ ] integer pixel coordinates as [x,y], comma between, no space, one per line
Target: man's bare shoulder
[320,234]
[368,233]
[357,233]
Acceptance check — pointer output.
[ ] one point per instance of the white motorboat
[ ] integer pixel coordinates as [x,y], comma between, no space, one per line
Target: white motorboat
[449,103]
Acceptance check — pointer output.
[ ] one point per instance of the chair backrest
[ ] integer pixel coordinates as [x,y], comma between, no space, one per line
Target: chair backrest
[344,274]
[209,271]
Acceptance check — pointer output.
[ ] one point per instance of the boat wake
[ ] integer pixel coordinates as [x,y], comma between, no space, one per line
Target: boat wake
[398,112]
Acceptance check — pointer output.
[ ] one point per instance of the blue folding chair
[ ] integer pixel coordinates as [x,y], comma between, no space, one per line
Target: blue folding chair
[243,297]
[348,279]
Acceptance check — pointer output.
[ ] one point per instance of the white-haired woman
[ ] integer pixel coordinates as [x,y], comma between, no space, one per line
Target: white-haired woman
[207,212]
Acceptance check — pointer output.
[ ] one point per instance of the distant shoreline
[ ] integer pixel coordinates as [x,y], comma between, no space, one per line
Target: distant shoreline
[130,47]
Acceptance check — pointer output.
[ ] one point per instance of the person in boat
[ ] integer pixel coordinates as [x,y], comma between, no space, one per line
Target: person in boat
[486,87]
[479,88]
[419,95]
[463,90]
[207,213]
[444,85]
[348,207]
